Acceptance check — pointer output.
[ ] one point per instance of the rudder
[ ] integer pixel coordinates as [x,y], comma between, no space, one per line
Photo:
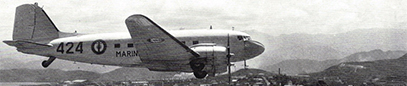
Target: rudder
[31,23]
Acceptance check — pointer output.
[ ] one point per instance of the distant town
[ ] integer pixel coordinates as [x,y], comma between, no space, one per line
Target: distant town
[243,77]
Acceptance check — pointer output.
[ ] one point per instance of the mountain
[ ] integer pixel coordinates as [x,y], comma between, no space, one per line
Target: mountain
[9,63]
[294,46]
[57,75]
[301,66]
[224,78]
[48,75]
[123,74]
[241,72]
[120,74]
[70,65]
[373,55]
[370,39]
[329,46]
[314,52]
[388,70]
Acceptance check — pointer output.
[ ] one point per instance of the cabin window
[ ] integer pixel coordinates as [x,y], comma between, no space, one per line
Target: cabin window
[130,45]
[116,45]
[195,42]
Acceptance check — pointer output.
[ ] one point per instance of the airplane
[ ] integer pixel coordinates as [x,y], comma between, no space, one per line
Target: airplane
[146,45]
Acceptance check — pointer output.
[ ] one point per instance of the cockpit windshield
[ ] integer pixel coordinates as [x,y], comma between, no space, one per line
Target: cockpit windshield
[244,38]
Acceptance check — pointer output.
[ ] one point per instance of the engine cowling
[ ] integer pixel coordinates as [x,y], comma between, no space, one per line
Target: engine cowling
[216,61]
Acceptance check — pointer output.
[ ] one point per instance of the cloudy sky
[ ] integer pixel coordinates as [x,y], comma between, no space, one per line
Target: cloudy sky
[273,17]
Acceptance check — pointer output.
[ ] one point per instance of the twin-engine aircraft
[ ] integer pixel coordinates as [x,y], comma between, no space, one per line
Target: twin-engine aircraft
[148,45]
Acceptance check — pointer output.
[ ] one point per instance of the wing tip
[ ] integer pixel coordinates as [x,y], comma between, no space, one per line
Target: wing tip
[136,16]
[139,20]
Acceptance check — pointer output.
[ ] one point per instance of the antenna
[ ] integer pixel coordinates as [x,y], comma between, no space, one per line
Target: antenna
[245,65]
[279,71]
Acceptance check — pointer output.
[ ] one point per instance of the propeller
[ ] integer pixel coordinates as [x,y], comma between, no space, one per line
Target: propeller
[228,56]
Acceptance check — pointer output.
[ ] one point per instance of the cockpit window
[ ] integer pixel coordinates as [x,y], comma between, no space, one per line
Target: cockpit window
[244,38]
[240,37]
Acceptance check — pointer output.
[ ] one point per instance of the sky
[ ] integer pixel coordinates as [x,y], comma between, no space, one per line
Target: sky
[273,17]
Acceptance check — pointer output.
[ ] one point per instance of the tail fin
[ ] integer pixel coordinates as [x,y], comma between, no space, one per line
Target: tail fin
[31,23]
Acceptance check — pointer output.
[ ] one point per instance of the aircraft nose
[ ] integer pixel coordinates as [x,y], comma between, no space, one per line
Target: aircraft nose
[253,48]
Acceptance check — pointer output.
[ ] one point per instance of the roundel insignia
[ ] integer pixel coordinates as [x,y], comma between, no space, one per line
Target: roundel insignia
[98,47]
[155,40]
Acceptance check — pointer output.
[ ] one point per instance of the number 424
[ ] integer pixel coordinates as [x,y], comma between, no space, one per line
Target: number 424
[70,45]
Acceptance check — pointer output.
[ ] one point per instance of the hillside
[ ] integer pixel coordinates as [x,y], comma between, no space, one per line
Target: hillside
[369,71]
[301,66]
[329,46]
[373,55]
[123,74]
[9,63]
[57,64]
[224,78]
[57,75]
[313,52]
[48,75]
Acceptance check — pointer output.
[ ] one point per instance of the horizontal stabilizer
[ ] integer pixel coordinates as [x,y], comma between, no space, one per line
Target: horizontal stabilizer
[26,44]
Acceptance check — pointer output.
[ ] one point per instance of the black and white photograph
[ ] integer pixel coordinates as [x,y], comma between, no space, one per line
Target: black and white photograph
[203,43]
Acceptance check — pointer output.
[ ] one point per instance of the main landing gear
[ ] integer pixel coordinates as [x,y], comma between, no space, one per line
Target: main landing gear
[197,66]
[46,63]
[200,74]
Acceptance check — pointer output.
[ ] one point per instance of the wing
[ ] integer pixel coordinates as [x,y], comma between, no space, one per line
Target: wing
[154,43]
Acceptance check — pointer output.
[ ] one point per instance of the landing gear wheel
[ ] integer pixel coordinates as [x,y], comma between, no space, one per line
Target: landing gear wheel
[197,66]
[45,64]
[200,74]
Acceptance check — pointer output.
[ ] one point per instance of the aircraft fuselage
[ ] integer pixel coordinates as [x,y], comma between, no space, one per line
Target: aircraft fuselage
[119,48]
[145,45]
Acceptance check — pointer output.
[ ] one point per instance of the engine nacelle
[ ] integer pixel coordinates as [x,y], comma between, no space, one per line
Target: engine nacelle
[206,50]
[216,60]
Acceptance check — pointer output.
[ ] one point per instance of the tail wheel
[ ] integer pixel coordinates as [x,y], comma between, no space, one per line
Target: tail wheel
[200,74]
[48,62]
[45,64]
